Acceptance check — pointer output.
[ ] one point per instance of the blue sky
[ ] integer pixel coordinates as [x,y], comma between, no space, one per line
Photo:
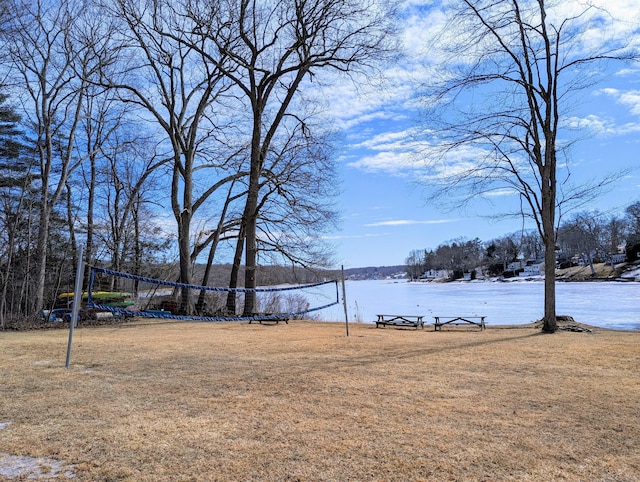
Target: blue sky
[382,205]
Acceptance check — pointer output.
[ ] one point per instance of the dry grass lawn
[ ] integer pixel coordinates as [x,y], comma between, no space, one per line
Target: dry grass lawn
[231,401]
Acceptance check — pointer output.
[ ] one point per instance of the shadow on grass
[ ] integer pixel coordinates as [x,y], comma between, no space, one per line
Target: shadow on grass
[432,350]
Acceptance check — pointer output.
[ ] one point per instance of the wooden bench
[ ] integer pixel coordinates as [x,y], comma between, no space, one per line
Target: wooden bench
[459,320]
[413,321]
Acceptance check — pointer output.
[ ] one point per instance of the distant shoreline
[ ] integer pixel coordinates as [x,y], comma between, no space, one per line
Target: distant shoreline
[602,272]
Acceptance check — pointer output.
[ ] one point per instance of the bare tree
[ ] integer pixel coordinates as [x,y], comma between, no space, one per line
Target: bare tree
[105,132]
[415,263]
[46,58]
[531,246]
[615,233]
[166,76]
[515,68]
[127,179]
[272,49]
[583,235]
[633,215]
[633,237]
[501,252]
[296,195]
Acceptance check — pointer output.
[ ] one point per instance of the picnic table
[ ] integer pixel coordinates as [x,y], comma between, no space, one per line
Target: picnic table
[269,318]
[459,320]
[413,321]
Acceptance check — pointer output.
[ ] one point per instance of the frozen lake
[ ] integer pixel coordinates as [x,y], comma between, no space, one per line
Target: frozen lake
[605,304]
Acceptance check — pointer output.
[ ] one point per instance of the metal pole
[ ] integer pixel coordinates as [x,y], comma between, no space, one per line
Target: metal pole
[344,302]
[92,278]
[77,300]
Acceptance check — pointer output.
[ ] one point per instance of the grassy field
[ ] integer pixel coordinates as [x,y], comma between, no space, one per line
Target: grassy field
[231,401]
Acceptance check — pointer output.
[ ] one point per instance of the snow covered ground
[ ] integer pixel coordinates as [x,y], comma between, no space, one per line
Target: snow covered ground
[633,275]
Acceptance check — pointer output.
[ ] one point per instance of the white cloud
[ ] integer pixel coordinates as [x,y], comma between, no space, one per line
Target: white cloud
[409,222]
[392,162]
[627,72]
[500,193]
[401,140]
[369,111]
[602,23]
[627,98]
[355,236]
[591,123]
[365,117]
[399,154]
[631,99]
[597,125]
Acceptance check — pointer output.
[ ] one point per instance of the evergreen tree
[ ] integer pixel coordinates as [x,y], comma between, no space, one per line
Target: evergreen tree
[16,198]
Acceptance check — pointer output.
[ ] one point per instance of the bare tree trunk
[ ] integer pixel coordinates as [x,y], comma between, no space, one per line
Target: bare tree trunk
[90,223]
[212,251]
[70,223]
[251,244]
[41,259]
[200,304]
[25,291]
[235,270]
[548,232]
[7,272]
[183,212]
[550,323]
[590,258]
[184,247]
[11,236]
[136,242]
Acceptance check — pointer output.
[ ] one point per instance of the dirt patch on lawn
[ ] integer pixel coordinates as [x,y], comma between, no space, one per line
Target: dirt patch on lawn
[232,401]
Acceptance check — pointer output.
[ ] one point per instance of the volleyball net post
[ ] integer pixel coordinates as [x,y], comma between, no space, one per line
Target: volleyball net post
[344,302]
[77,293]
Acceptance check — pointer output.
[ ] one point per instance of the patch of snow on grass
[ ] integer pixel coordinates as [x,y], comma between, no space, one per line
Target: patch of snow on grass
[33,468]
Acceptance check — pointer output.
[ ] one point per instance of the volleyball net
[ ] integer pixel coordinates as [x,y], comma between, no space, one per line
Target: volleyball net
[125,294]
